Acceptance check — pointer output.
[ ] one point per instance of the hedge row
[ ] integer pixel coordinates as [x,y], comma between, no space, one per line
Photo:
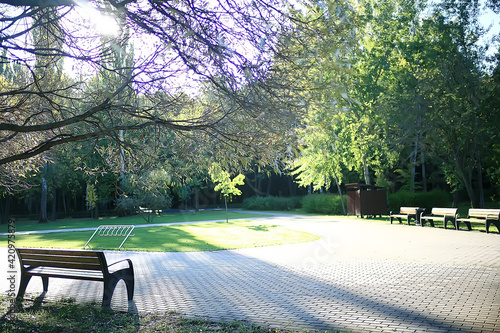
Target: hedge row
[427,200]
[272,203]
[324,204]
[315,203]
[331,203]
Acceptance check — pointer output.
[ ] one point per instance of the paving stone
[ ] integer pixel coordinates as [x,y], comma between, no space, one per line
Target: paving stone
[361,276]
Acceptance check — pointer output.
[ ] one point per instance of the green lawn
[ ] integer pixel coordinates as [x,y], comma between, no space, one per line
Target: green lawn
[209,215]
[176,238]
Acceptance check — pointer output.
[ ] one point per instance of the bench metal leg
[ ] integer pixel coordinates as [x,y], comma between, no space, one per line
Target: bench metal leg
[449,219]
[422,221]
[457,224]
[109,288]
[25,279]
[496,223]
[127,275]
[45,282]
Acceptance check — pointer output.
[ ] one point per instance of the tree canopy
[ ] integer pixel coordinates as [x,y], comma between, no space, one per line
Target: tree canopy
[398,93]
[201,70]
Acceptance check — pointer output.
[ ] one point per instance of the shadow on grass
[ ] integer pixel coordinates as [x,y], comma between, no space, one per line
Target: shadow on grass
[263,227]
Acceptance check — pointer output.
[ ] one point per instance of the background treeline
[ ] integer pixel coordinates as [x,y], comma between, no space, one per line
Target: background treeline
[403,94]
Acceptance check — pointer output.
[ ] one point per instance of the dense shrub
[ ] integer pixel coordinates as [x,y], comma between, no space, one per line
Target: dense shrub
[427,200]
[323,204]
[272,203]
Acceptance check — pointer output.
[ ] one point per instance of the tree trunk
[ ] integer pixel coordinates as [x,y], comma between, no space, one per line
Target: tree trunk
[366,171]
[424,173]
[466,178]
[5,209]
[291,187]
[414,167]
[480,180]
[196,198]
[29,204]
[269,183]
[341,196]
[225,202]
[43,202]
[54,206]
[65,210]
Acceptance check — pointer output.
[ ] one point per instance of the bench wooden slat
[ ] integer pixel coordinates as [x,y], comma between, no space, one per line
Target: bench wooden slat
[66,273]
[63,264]
[484,213]
[54,258]
[408,210]
[444,211]
[57,252]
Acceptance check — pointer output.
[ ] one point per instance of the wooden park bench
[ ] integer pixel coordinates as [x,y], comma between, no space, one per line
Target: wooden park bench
[73,264]
[487,216]
[408,213]
[441,214]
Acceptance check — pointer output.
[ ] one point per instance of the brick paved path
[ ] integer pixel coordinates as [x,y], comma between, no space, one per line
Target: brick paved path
[361,276]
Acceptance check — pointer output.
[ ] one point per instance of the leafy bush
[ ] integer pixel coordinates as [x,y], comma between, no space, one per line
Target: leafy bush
[147,193]
[427,200]
[323,204]
[271,203]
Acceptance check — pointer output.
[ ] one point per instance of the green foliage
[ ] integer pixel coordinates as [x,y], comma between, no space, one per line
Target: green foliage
[272,203]
[91,197]
[427,200]
[223,181]
[323,204]
[146,194]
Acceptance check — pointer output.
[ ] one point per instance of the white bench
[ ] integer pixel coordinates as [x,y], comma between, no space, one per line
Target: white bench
[481,215]
[408,213]
[441,214]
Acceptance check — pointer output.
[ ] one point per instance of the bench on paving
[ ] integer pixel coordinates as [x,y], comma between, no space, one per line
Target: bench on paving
[73,264]
[408,213]
[481,215]
[440,214]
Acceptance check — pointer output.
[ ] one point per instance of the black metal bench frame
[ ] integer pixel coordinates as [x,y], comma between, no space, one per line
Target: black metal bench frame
[73,264]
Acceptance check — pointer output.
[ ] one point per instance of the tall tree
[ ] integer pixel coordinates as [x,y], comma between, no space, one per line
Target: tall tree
[184,46]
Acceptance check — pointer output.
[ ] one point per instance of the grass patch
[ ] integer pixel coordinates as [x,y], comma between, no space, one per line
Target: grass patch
[209,215]
[176,238]
[67,316]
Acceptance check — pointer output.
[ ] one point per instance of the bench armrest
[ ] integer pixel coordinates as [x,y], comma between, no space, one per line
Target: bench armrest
[120,261]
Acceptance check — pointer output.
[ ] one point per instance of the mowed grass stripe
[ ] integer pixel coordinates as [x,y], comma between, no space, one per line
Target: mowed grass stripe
[176,238]
[210,215]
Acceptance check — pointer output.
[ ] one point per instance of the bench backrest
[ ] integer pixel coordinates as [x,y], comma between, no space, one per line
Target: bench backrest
[76,259]
[444,211]
[408,210]
[484,213]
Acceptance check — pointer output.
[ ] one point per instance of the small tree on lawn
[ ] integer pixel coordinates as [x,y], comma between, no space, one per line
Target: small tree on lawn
[92,200]
[224,183]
